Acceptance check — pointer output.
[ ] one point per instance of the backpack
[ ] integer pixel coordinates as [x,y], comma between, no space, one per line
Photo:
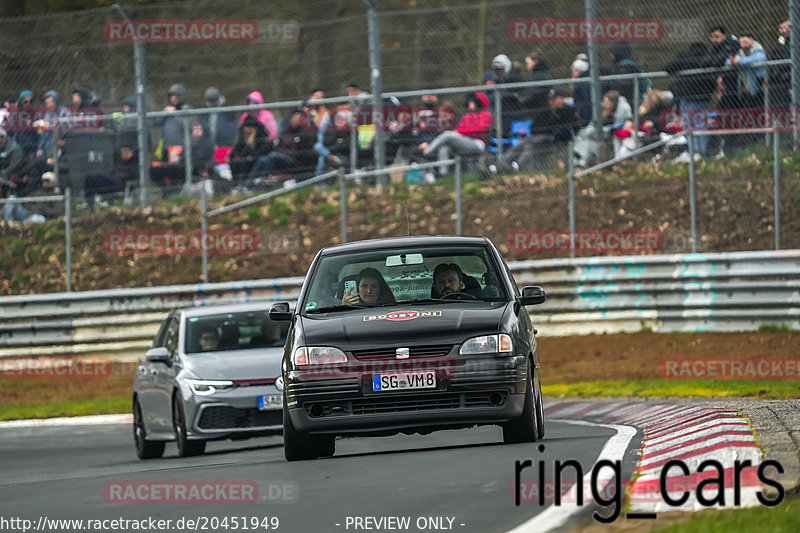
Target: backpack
[645,84]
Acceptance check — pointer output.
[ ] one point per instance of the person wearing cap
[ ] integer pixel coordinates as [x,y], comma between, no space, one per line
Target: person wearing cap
[221,126]
[511,105]
[553,127]
[12,161]
[171,126]
[582,92]
[26,136]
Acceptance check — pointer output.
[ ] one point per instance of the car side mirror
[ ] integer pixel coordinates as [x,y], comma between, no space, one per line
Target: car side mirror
[532,296]
[158,355]
[280,311]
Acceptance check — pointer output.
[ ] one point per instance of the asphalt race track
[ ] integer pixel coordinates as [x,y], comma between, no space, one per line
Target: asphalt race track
[446,481]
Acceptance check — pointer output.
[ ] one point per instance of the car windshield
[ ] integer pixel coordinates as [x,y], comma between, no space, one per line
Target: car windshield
[422,276]
[233,331]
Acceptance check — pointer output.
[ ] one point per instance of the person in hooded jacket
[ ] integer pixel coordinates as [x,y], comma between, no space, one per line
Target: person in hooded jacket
[55,116]
[625,63]
[470,136]
[222,127]
[251,144]
[172,127]
[264,116]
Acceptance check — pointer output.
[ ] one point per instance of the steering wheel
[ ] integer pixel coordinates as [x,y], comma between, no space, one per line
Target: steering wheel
[458,295]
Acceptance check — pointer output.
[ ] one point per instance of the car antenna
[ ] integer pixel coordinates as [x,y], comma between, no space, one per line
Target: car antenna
[408,222]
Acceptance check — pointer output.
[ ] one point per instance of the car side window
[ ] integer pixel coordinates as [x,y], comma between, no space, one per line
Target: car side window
[171,337]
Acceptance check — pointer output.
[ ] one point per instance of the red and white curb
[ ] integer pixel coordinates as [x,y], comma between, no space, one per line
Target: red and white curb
[689,434]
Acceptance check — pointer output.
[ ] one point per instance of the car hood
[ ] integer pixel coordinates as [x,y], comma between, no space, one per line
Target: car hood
[403,325]
[262,363]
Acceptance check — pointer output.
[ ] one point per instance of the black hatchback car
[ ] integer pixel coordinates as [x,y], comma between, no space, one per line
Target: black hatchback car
[411,335]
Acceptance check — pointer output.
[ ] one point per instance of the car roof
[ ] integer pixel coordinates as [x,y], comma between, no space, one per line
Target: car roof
[402,242]
[206,310]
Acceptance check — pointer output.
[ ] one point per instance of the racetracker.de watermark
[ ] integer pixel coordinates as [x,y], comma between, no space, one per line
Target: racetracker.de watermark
[59,367]
[181,242]
[41,119]
[200,492]
[392,119]
[582,30]
[181,31]
[617,242]
[783,120]
[734,368]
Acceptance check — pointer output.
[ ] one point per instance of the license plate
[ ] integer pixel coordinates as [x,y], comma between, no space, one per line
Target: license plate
[270,401]
[404,381]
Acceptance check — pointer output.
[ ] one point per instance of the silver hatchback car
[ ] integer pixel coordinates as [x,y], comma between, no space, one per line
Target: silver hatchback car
[212,373]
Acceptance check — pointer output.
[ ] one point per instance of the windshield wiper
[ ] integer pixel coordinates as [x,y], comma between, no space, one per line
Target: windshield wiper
[426,301]
[334,308]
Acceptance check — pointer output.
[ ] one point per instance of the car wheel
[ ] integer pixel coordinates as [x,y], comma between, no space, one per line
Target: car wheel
[523,429]
[539,413]
[186,447]
[299,446]
[327,445]
[145,449]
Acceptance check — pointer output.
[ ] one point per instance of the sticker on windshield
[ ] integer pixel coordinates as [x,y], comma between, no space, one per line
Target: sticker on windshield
[311,305]
[396,316]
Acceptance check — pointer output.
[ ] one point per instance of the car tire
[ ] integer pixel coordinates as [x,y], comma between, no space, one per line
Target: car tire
[145,449]
[186,447]
[299,446]
[524,428]
[539,413]
[327,445]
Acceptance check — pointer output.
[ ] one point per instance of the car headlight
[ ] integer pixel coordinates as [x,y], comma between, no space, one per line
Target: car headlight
[487,344]
[317,355]
[207,387]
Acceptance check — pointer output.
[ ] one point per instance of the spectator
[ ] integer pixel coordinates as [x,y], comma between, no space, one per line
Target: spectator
[652,112]
[535,99]
[126,124]
[625,64]
[780,77]
[173,171]
[337,134]
[616,110]
[582,92]
[750,79]
[692,91]
[107,186]
[264,116]
[221,126]
[9,108]
[12,162]
[54,114]
[552,129]
[26,136]
[251,144]
[510,101]
[171,126]
[470,136]
[723,47]
[294,152]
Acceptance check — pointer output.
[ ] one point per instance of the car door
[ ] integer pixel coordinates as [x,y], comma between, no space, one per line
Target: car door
[155,392]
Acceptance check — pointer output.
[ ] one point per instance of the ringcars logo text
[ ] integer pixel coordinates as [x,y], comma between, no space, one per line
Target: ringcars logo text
[180,242]
[586,241]
[582,30]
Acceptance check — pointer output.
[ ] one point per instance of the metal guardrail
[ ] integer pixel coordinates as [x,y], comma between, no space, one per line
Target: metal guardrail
[737,291]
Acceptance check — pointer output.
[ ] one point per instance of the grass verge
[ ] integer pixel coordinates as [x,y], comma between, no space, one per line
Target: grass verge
[785,518]
[98,406]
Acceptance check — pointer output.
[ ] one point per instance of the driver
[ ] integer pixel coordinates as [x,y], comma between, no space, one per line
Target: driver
[447,278]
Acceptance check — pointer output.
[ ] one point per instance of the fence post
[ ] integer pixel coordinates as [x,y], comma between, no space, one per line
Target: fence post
[187,155]
[635,106]
[571,168]
[498,124]
[776,173]
[458,194]
[204,229]
[692,198]
[342,203]
[68,234]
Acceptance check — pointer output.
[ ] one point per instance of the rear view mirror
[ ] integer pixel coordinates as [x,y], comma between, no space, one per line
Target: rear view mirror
[532,296]
[280,311]
[403,259]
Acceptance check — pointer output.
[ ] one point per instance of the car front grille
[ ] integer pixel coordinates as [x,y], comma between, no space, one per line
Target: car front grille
[224,417]
[436,350]
[418,402]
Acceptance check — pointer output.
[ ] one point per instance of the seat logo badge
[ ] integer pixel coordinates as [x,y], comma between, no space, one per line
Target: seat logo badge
[402,353]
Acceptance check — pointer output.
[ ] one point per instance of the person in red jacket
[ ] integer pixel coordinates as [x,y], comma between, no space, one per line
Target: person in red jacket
[470,136]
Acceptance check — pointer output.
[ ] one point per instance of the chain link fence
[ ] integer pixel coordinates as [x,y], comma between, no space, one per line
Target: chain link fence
[285,51]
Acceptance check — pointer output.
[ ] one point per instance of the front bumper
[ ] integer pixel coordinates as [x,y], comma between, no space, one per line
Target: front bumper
[474,390]
[233,413]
